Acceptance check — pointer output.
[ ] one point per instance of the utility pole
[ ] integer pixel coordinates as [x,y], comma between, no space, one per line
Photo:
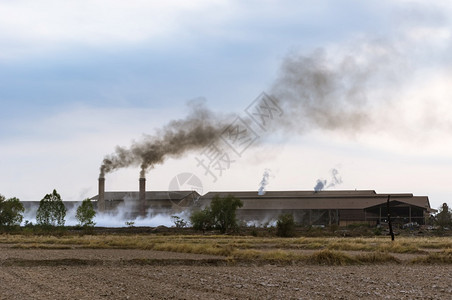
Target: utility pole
[389,219]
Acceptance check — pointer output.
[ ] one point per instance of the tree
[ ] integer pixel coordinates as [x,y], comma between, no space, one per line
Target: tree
[51,210]
[219,215]
[86,213]
[444,216]
[223,212]
[11,211]
[285,226]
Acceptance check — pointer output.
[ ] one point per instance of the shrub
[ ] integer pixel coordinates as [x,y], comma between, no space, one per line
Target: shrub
[444,216]
[201,220]
[219,215]
[378,231]
[130,224]
[179,222]
[285,226]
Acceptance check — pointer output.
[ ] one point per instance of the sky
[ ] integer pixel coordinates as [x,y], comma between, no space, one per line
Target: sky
[79,78]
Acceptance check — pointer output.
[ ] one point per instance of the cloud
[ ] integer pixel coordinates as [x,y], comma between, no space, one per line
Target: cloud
[36,27]
[50,24]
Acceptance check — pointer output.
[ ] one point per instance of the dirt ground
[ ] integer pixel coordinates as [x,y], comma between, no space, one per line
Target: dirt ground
[121,274]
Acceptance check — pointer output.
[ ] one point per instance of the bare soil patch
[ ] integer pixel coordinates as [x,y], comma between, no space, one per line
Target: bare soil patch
[226,282]
[130,267]
[148,274]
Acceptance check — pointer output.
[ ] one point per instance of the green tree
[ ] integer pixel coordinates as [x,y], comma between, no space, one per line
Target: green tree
[86,213]
[285,226]
[444,216]
[202,219]
[223,212]
[11,211]
[51,210]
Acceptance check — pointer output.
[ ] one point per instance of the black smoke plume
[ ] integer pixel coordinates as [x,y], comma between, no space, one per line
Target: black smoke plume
[314,92]
[200,128]
[321,92]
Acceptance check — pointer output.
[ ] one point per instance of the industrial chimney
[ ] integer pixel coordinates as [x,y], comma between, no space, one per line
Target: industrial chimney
[101,196]
[142,195]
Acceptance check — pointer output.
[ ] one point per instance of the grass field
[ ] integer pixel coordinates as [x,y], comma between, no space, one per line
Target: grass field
[316,250]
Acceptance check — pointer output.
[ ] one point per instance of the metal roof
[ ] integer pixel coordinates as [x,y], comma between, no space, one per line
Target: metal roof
[318,200]
[346,199]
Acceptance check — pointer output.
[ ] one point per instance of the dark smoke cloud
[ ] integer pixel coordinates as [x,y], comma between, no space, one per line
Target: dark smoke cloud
[319,92]
[314,92]
[200,128]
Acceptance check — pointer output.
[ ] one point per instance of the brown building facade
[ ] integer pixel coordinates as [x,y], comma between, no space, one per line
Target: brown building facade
[330,207]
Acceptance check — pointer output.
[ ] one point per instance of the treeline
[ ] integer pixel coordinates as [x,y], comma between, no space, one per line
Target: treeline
[51,212]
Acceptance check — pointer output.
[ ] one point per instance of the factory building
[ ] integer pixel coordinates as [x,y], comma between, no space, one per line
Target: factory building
[308,207]
[330,207]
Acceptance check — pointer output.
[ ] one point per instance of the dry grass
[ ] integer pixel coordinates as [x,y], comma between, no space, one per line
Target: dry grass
[443,257]
[374,250]
[335,258]
[41,246]
[376,258]
[349,246]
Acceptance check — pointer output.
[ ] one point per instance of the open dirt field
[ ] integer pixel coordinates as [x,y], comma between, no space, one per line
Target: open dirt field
[149,274]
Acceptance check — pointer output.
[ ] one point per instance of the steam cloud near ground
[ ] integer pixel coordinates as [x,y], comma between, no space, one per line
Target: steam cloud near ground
[117,217]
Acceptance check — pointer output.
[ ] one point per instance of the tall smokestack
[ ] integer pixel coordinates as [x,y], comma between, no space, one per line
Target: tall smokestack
[142,195]
[101,196]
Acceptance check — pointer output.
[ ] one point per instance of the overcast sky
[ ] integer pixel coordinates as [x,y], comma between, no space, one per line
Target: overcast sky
[78,78]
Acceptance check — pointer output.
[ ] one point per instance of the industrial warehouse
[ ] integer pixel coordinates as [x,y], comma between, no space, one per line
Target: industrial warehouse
[308,207]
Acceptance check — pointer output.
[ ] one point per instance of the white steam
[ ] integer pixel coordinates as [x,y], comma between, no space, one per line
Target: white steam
[320,185]
[336,179]
[264,182]
[121,216]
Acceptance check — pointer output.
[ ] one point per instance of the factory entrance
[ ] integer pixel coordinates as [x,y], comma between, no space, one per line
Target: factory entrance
[401,213]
